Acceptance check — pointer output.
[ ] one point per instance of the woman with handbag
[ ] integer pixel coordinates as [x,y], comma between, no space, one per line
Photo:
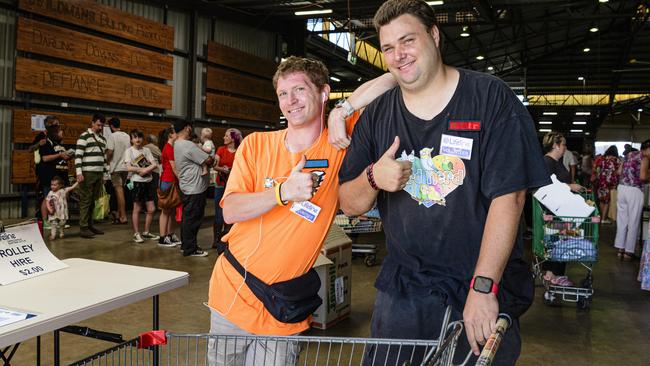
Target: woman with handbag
[224,158]
[168,190]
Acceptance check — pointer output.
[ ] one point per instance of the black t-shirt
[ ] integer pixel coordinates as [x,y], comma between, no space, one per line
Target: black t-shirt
[434,226]
[556,167]
[50,169]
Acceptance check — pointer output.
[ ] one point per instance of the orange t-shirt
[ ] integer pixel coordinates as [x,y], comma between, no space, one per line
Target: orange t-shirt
[279,245]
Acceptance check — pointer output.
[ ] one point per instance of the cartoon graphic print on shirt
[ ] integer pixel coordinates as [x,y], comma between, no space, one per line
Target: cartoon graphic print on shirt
[433,178]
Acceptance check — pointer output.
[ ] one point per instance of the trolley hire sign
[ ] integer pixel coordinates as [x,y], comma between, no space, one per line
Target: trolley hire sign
[23,254]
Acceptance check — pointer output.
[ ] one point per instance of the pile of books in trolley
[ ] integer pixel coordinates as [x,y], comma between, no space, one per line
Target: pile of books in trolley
[570,223]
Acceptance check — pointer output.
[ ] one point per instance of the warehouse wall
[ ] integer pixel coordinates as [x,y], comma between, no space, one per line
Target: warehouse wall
[257,42]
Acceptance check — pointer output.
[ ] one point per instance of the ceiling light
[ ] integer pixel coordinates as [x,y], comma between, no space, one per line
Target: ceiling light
[640,110]
[434,3]
[479,57]
[545,122]
[586,49]
[587,133]
[583,113]
[581,78]
[603,1]
[490,68]
[575,130]
[334,78]
[579,122]
[593,29]
[545,130]
[314,12]
[465,32]
[550,113]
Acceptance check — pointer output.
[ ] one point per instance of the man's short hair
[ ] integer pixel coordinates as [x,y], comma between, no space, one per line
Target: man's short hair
[392,9]
[152,139]
[180,124]
[315,70]
[115,122]
[99,116]
[136,133]
[51,125]
[49,120]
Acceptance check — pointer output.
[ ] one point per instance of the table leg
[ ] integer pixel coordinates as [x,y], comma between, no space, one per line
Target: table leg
[7,354]
[38,350]
[156,318]
[57,347]
[156,326]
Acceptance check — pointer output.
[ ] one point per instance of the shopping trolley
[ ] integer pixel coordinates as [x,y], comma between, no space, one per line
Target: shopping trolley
[566,239]
[355,225]
[165,348]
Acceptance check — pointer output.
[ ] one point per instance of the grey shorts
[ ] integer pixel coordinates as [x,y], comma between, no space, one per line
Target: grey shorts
[118,179]
[236,350]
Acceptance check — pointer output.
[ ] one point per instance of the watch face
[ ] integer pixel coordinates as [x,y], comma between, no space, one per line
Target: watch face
[483,284]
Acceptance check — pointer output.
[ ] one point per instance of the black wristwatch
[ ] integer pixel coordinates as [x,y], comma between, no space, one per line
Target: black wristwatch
[484,285]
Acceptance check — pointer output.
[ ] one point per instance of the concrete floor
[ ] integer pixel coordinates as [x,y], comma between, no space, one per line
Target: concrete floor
[616,331]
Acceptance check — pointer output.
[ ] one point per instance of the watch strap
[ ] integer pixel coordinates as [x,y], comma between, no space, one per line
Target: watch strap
[347,107]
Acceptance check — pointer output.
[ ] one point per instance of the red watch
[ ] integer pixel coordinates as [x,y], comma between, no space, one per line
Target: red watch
[484,285]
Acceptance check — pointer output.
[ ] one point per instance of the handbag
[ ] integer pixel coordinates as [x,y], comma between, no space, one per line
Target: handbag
[102,205]
[170,198]
[290,301]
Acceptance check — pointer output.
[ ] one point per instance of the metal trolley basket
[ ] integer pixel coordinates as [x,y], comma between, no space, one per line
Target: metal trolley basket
[566,239]
[164,348]
[356,225]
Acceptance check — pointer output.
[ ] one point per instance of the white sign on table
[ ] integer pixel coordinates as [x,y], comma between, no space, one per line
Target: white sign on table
[8,316]
[23,254]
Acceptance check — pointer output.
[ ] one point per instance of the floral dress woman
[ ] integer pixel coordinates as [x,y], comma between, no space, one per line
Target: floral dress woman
[605,177]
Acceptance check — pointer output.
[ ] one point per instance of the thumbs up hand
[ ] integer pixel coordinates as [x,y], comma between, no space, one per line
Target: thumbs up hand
[300,185]
[391,175]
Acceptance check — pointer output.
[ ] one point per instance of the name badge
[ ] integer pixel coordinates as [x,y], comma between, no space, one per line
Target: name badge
[306,210]
[456,146]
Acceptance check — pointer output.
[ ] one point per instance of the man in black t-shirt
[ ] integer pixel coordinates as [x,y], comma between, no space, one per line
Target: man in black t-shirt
[53,159]
[448,156]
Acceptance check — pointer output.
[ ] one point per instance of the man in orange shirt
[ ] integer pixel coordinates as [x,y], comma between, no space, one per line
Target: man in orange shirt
[281,212]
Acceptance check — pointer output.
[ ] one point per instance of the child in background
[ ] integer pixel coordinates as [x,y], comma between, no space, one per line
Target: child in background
[140,163]
[208,146]
[57,206]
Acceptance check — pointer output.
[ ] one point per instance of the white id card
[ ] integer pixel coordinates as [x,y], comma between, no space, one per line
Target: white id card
[306,210]
[456,146]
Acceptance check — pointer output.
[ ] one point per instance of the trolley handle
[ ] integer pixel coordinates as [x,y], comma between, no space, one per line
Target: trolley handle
[492,345]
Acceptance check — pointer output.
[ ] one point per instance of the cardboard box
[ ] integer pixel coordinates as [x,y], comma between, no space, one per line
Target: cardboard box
[336,279]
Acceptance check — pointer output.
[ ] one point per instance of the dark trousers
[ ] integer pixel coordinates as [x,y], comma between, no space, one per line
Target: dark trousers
[410,316]
[220,227]
[89,190]
[193,211]
[218,211]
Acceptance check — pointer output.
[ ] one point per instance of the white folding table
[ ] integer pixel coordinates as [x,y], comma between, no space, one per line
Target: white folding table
[85,289]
